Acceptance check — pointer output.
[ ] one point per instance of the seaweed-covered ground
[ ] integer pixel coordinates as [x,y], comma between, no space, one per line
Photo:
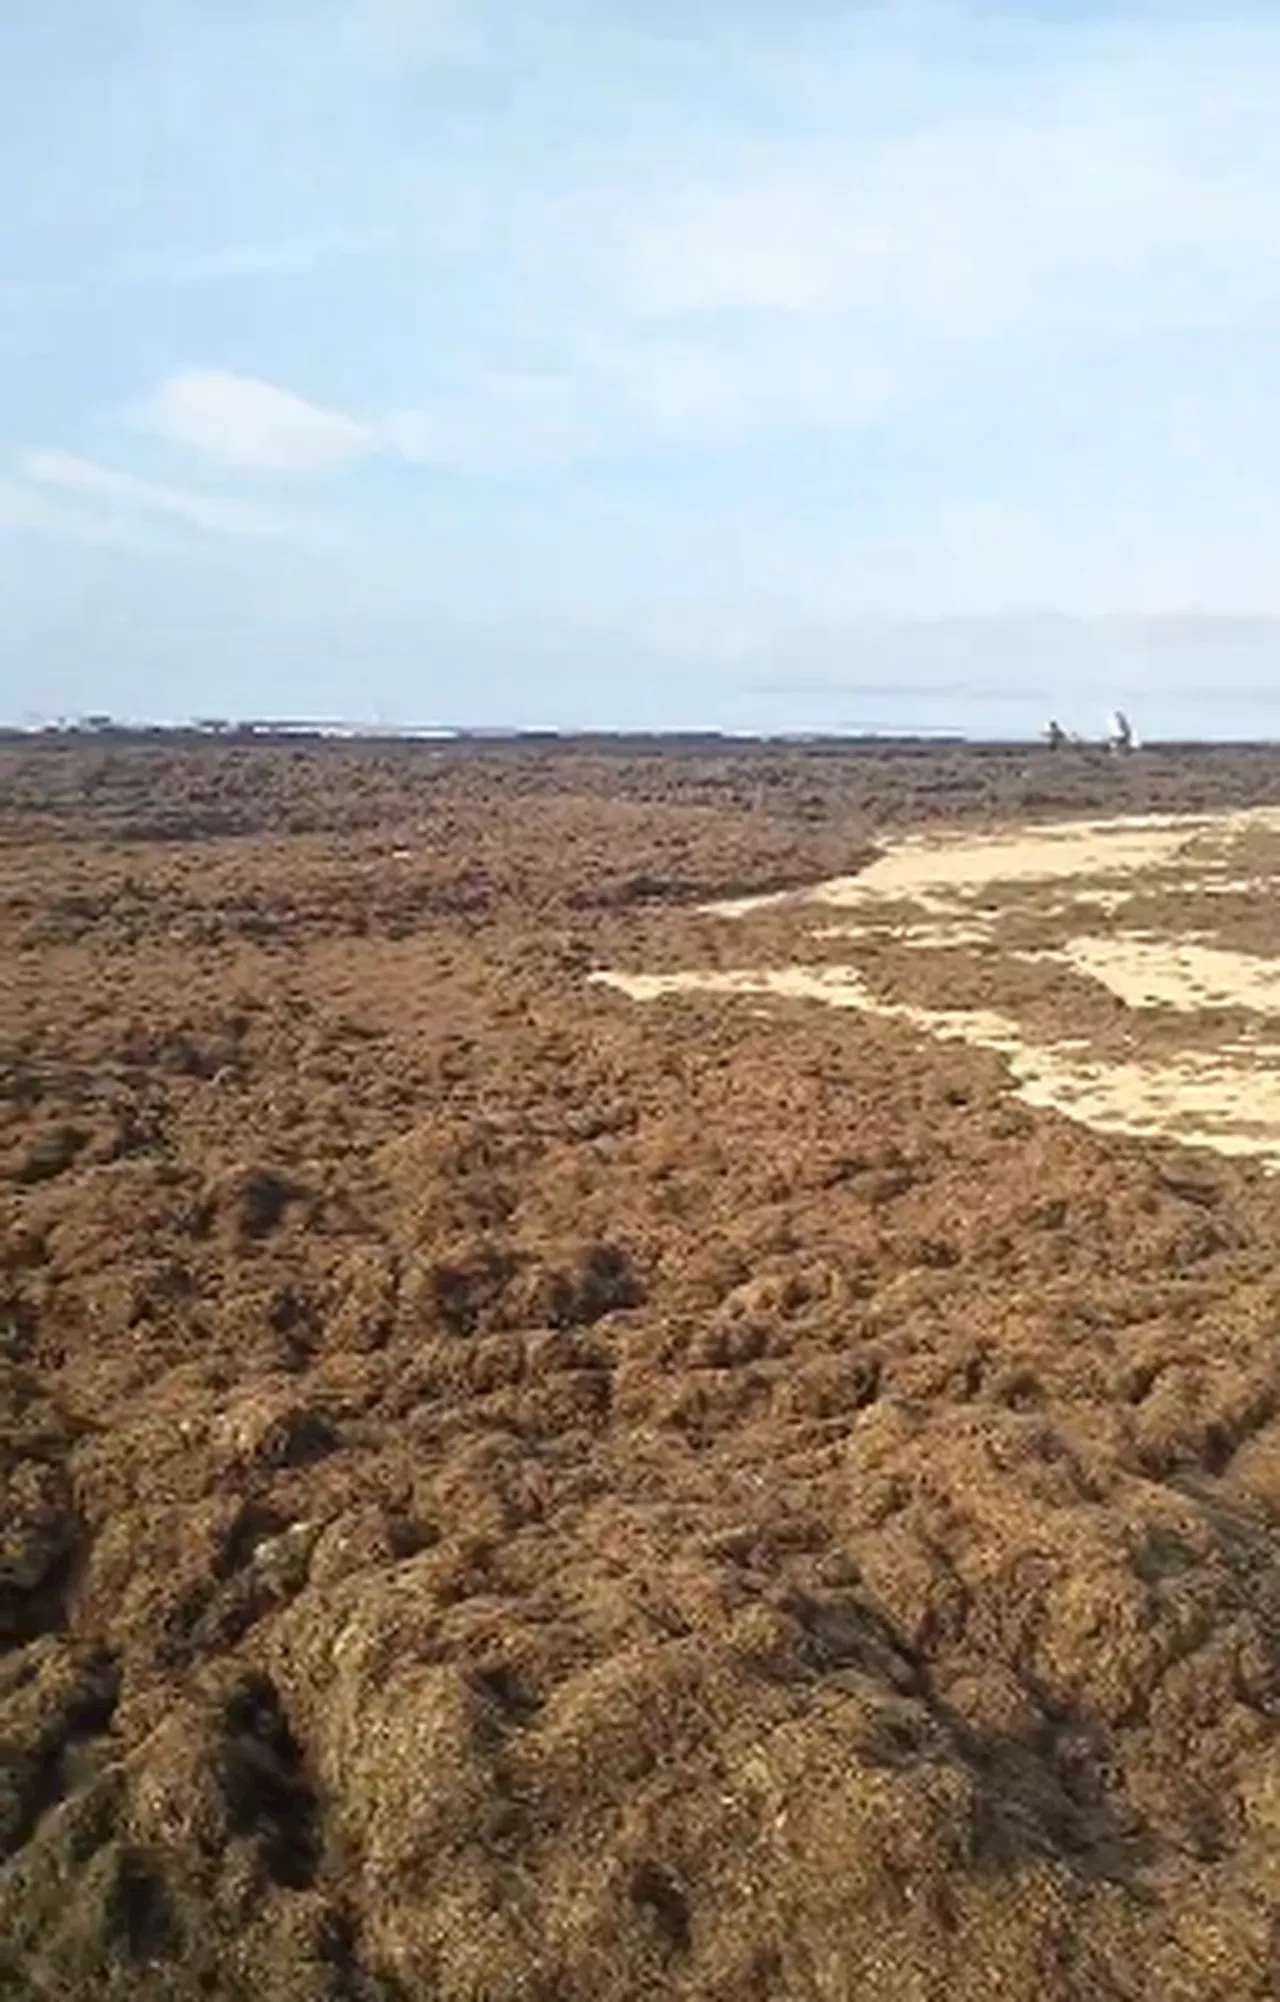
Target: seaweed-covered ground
[511,1495]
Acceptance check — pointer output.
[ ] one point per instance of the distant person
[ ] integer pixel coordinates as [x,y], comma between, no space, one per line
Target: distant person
[1121,738]
[1055,736]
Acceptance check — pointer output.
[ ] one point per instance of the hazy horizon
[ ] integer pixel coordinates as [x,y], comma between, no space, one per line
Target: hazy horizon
[751,367]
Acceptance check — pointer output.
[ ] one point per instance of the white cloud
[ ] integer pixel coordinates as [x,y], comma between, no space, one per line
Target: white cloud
[237,421]
[483,421]
[86,479]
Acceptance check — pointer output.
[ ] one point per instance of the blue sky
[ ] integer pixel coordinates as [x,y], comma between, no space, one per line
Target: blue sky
[755,364]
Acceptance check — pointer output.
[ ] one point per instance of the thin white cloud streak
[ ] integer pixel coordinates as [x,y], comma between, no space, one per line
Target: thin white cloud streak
[239,422]
[85,478]
[490,421]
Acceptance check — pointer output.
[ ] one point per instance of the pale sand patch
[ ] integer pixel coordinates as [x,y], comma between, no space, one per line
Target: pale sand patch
[837,986]
[1173,973]
[943,935]
[927,934]
[936,870]
[926,866]
[1228,1103]
[956,888]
